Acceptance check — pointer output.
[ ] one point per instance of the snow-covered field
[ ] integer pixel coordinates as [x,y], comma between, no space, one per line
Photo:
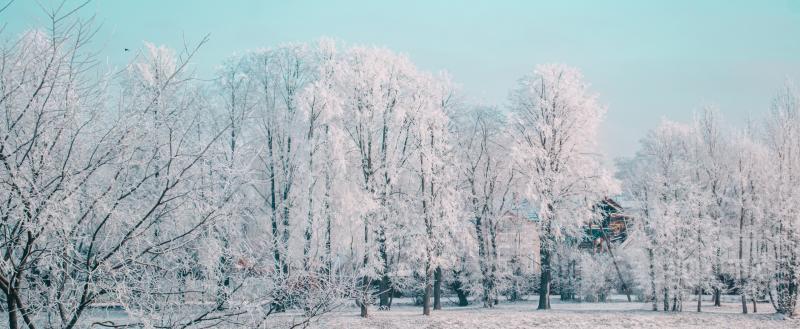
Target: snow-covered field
[615,314]
[563,315]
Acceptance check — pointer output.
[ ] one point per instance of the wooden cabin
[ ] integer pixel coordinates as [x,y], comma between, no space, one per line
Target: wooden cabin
[610,228]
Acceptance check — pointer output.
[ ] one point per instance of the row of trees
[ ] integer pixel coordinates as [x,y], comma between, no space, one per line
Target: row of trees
[309,175]
[301,177]
[716,208]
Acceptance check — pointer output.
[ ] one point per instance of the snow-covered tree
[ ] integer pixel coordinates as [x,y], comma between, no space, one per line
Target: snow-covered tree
[554,126]
[376,89]
[663,181]
[747,197]
[437,194]
[781,135]
[487,179]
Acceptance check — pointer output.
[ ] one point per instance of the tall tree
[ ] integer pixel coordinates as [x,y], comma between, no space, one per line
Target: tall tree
[376,87]
[782,131]
[488,182]
[437,194]
[554,124]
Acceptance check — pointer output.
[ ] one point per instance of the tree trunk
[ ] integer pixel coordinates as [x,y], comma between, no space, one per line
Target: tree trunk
[650,256]
[308,235]
[741,258]
[458,287]
[364,310]
[544,282]
[385,293]
[437,288]
[328,231]
[277,251]
[462,298]
[564,287]
[385,284]
[11,309]
[426,299]
[493,251]
[328,218]
[744,304]
[699,299]
[426,302]
[482,261]
[363,303]
[285,205]
[786,275]
[273,204]
[699,261]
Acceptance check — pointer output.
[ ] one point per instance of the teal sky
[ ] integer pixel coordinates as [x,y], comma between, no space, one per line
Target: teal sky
[647,60]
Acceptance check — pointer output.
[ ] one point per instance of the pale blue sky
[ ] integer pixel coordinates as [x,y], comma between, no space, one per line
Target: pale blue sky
[647,60]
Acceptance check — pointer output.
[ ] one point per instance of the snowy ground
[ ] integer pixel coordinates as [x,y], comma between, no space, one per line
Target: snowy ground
[615,314]
[563,315]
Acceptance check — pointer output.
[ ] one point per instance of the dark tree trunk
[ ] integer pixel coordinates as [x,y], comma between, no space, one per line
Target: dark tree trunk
[426,299]
[744,304]
[385,287]
[741,257]
[286,212]
[328,242]
[462,298]
[11,310]
[699,289]
[328,218]
[652,278]
[437,288]
[493,276]
[482,254]
[273,204]
[544,282]
[364,311]
[544,256]
[385,284]
[699,299]
[365,279]
[458,287]
[666,289]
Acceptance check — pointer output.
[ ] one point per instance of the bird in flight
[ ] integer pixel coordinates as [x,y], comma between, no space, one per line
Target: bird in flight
[126,49]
